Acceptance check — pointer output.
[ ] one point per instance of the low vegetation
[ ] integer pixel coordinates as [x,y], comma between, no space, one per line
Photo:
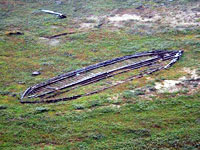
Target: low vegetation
[118,118]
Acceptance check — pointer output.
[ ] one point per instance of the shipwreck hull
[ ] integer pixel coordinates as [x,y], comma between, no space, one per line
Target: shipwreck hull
[99,77]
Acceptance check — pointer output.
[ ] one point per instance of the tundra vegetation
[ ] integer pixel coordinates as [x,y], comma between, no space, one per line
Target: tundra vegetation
[160,111]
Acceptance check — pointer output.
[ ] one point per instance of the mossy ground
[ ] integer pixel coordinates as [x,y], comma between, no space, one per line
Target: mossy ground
[108,120]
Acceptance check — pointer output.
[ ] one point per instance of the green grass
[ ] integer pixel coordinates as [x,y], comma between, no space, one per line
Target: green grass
[114,119]
[163,123]
[92,122]
[30,18]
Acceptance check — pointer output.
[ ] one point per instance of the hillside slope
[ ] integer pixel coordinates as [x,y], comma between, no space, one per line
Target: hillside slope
[159,111]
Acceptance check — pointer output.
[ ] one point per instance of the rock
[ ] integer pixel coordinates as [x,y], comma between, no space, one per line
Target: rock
[198,121]
[151,88]
[195,84]
[36,73]
[100,23]
[14,95]
[41,109]
[196,9]
[58,2]
[4,93]
[21,82]
[3,107]
[68,54]
[94,50]
[14,33]
[140,7]
[97,136]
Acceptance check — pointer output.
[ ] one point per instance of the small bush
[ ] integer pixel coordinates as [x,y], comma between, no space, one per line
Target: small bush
[95,103]
[97,136]
[78,106]
[128,94]
[41,109]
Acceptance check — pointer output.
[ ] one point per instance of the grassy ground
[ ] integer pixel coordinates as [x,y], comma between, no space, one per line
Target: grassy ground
[113,119]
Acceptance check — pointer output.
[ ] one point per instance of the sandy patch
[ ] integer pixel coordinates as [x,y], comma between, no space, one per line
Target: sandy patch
[168,86]
[51,42]
[182,18]
[54,42]
[93,18]
[92,22]
[115,106]
[54,27]
[193,73]
[174,17]
[171,86]
[87,25]
[127,17]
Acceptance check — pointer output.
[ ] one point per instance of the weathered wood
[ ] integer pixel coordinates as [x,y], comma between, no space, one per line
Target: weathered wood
[61,16]
[158,55]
